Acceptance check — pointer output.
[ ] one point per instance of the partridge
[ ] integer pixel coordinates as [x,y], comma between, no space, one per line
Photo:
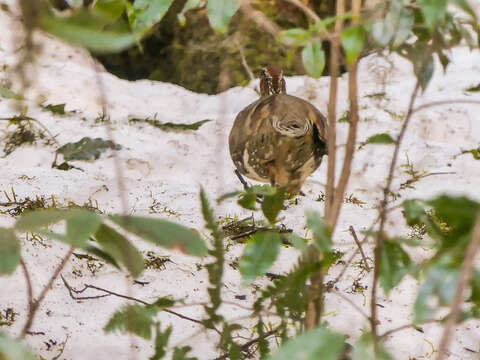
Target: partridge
[279,138]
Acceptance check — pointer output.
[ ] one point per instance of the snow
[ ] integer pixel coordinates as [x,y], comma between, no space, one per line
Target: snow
[166,169]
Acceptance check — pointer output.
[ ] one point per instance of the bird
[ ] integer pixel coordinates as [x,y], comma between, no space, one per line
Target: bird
[279,139]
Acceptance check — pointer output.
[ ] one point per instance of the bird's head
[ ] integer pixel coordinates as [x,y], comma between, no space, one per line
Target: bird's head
[272,81]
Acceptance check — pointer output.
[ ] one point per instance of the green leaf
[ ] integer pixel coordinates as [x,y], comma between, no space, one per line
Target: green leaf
[34,220]
[440,283]
[110,8]
[55,109]
[163,233]
[220,12]
[248,201]
[86,29]
[313,58]
[117,246]
[321,232]
[414,210]
[382,138]
[433,11]
[181,353]
[161,342]
[149,12]
[394,265]
[364,349]
[81,224]
[11,349]
[9,251]
[136,319]
[475,88]
[101,254]
[465,6]
[260,253]
[272,204]
[353,41]
[296,36]
[9,94]
[319,343]
[264,190]
[297,241]
[86,149]
[169,126]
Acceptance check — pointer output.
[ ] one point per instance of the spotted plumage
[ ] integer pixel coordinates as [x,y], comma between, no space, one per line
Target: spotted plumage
[279,138]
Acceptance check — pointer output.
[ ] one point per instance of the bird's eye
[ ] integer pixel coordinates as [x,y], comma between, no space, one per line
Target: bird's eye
[262,72]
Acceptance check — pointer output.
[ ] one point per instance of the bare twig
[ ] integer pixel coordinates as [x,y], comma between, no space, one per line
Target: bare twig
[28,281]
[355,306]
[352,133]
[444,102]
[355,238]
[36,303]
[304,7]
[464,277]
[107,292]
[247,345]
[404,327]
[383,213]
[332,111]
[244,60]
[259,18]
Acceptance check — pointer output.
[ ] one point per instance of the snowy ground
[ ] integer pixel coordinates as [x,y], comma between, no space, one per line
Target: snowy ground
[166,169]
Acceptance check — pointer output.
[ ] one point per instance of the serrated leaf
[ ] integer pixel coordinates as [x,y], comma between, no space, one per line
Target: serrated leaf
[319,343]
[313,58]
[353,41]
[86,149]
[85,28]
[394,265]
[433,11]
[320,231]
[161,342]
[273,204]
[117,246]
[9,94]
[180,353]
[364,349]
[136,319]
[220,13]
[11,349]
[163,233]
[260,253]
[9,251]
[149,12]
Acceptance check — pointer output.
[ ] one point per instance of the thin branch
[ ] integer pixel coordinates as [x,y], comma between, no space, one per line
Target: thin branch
[27,118]
[444,102]
[245,346]
[259,18]
[244,60]
[383,213]
[464,277]
[28,281]
[332,111]
[36,303]
[355,306]
[304,7]
[352,133]
[107,292]
[404,327]
[355,238]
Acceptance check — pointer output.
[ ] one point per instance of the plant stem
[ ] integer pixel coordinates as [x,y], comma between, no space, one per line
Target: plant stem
[383,214]
[36,303]
[464,277]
